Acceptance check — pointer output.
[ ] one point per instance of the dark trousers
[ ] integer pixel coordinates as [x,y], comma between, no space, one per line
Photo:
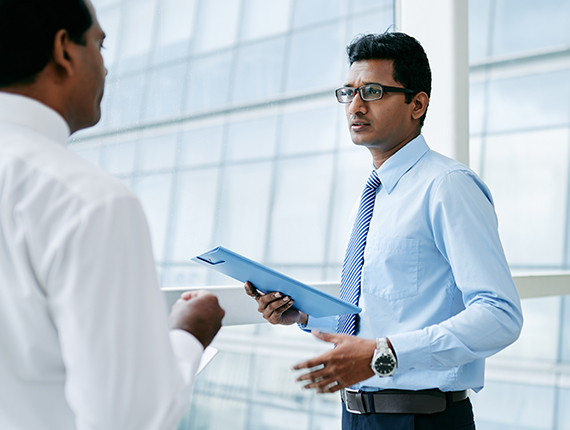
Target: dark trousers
[457,416]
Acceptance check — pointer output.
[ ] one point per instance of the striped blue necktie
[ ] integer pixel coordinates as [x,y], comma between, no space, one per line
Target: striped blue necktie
[354,258]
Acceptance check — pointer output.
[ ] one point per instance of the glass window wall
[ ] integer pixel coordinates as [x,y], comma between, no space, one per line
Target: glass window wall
[520,139]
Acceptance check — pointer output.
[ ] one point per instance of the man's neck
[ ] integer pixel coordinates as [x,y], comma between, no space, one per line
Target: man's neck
[379,157]
[44,94]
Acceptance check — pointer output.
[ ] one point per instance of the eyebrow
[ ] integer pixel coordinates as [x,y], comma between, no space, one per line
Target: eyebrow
[366,83]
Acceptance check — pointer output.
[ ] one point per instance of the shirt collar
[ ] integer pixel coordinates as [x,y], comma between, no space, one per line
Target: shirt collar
[32,114]
[392,170]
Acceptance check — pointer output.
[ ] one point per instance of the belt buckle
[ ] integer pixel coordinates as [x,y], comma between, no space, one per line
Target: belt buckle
[357,401]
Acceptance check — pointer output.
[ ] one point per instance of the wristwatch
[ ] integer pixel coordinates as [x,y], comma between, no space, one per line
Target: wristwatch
[384,361]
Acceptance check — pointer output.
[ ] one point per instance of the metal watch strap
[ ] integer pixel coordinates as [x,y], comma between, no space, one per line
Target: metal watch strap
[383,355]
[382,344]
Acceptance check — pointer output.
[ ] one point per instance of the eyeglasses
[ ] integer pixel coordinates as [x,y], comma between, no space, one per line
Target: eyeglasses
[368,93]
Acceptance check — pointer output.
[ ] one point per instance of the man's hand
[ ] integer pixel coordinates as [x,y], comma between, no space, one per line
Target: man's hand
[276,308]
[341,367]
[199,313]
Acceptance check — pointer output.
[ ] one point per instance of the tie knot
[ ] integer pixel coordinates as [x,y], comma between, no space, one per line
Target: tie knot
[373,181]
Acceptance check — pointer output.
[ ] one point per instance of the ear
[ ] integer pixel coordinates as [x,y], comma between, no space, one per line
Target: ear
[419,105]
[62,52]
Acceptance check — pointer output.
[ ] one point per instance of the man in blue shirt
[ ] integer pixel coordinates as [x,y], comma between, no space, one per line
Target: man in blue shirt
[424,262]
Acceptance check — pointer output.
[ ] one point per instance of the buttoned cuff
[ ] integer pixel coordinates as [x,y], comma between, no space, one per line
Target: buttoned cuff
[325,324]
[412,350]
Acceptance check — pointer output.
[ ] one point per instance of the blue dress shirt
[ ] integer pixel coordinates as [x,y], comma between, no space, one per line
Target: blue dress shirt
[435,280]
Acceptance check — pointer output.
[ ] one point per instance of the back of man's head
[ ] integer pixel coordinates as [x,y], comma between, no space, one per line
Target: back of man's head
[27,32]
[411,65]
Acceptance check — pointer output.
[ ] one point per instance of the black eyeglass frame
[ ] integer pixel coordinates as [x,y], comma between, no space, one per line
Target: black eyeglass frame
[383,88]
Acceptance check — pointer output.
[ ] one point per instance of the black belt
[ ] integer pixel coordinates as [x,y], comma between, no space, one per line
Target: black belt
[399,401]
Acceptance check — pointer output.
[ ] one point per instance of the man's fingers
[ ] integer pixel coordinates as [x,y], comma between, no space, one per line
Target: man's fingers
[272,306]
[200,314]
[323,380]
[309,364]
[314,376]
[343,366]
[187,295]
[324,385]
[327,337]
[279,303]
[251,291]
[267,300]
[276,308]
[330,387]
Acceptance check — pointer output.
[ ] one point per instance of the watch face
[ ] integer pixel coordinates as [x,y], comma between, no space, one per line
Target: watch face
[384,364]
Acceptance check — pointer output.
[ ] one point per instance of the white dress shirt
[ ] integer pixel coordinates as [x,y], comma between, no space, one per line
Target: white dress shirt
[84,340]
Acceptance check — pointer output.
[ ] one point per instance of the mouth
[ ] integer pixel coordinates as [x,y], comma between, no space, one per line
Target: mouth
[358,125]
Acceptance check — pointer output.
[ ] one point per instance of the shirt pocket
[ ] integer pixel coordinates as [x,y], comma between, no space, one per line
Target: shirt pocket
[390,269]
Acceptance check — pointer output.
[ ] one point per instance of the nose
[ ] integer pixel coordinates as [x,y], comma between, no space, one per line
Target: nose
[357,105]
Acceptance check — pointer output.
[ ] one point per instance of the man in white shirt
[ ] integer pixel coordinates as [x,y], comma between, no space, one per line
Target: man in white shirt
[85,340]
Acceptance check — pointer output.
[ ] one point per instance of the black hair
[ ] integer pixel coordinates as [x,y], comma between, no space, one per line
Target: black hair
[27,34]
[411,65]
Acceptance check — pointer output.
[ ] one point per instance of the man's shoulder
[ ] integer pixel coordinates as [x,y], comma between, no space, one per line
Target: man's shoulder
[444,174]
[442,163]
[434,166]
[50,165]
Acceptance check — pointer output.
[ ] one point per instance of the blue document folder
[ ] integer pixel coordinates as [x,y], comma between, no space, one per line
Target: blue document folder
[307,299]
